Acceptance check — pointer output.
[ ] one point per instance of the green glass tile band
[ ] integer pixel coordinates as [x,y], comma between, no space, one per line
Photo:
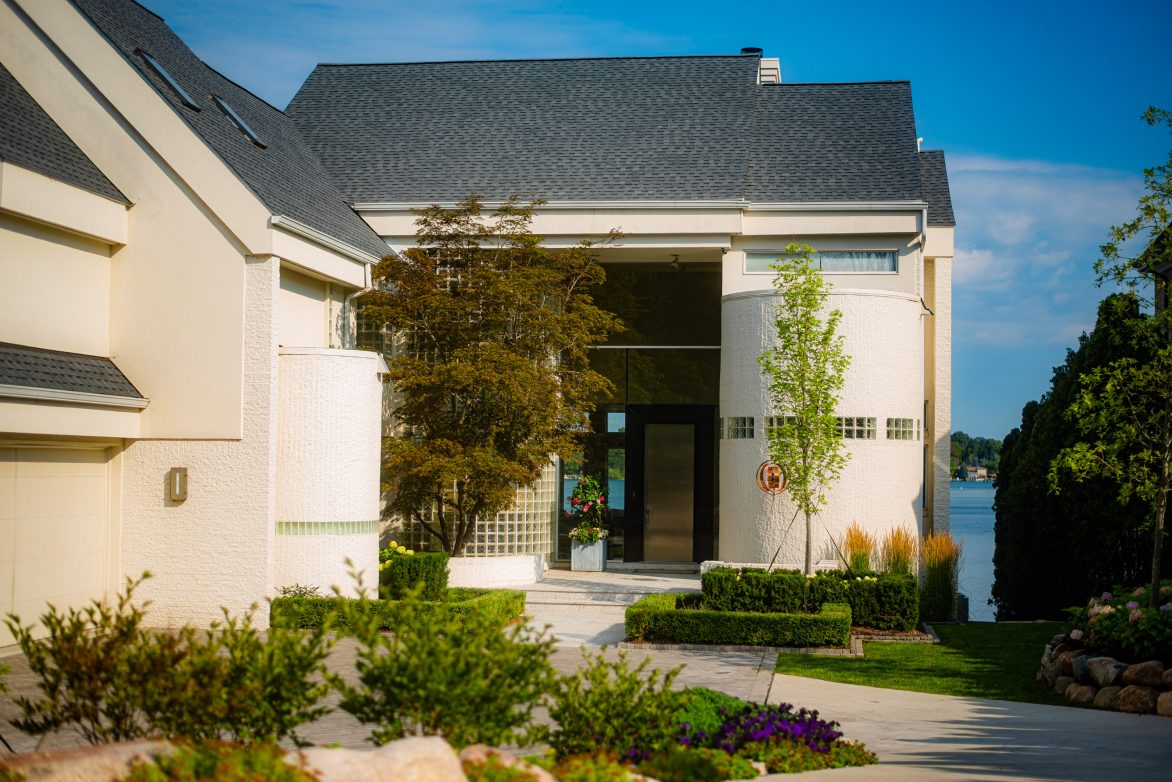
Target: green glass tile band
[327,527]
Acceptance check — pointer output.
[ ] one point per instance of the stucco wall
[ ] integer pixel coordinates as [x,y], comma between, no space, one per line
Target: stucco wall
[881,484]
[941,392]
[56,288]
[215,549]
[329,423]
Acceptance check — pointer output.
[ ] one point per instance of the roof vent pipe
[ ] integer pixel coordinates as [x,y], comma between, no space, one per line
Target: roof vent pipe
[754,50]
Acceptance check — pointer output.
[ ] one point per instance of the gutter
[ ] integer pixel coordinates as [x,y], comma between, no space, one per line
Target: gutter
[74,397]
[298,228]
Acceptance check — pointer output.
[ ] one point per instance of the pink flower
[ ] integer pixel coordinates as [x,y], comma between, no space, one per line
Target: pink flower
[602,499]
[1076,635]
[1139,591]
[1131,605]
[586,506]
[1106,595]
[1135,616]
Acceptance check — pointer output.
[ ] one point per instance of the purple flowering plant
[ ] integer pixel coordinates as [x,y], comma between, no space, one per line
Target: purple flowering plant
[765,724]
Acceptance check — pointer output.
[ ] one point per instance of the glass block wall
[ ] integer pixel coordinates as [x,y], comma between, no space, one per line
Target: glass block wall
[525,528]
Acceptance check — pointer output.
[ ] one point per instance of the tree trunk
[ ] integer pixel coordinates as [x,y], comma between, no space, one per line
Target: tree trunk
[1158,535]
[809,543]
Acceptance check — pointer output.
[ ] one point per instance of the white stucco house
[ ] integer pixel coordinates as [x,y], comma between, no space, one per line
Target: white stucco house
[710,166]
[179,391]
[175,390]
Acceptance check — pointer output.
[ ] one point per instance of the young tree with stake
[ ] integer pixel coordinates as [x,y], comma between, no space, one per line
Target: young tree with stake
[804,374]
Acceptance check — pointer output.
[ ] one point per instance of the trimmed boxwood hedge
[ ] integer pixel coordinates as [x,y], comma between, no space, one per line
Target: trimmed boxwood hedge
[500,605]
[883,602]
[401,572]
[673,618]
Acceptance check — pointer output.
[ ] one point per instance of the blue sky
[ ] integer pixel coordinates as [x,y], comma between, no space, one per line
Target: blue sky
[1037,106]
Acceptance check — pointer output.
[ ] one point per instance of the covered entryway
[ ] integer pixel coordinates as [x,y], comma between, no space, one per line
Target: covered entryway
[54,529]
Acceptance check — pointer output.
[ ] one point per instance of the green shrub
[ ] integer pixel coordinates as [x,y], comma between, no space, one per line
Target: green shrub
[782,591]
[444,673]
[398,574]
[597,767]
[499,606]
[885,602]
[221,763]
[101,672]
[1121,623]
[688,764]
[705,710]
[612,707]
[491,769]
[792,757]
[666,618]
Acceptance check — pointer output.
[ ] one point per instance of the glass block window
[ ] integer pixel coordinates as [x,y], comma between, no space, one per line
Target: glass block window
[777,421]
[523,528]
[740,428]
[835,261]
[856,428]
[903,429]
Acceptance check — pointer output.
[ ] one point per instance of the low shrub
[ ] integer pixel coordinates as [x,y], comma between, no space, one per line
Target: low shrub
[763,723]
[669,618]
[399,572]
[491,769]
[499,606]
[693,764]
[792,757]
[1122,624]
[941,567]
[101,672]
[221,763]
[706,710]
[594,767]
[609,706]
[458,675]
[885,602]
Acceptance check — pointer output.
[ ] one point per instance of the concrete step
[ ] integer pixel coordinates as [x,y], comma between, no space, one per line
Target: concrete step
[550,597]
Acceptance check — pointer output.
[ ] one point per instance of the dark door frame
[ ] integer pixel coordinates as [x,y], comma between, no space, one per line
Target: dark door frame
[703,418]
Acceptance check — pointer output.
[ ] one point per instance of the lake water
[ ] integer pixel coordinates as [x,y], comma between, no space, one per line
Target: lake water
[972,524]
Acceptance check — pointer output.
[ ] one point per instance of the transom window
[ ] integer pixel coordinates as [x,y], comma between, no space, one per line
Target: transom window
[903,429]
[833,261]
[857,428]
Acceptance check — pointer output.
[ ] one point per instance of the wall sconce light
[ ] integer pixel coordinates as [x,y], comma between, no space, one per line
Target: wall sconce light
[177,484]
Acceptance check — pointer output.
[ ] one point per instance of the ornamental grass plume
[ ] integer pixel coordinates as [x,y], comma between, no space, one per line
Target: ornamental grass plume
[941,566]
[898,552]
[857,548]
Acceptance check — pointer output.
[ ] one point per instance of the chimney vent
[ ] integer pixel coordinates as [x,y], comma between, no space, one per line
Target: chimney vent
[756,50]
[769,70]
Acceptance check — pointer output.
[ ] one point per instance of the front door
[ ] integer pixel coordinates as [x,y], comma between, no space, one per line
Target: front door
[669,456]
[670,483]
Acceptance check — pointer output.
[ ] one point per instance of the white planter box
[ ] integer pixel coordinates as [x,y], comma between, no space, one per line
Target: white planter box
[588,557]
[492,572]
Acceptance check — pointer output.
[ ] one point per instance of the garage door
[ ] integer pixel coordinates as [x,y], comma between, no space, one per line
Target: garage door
[53,529]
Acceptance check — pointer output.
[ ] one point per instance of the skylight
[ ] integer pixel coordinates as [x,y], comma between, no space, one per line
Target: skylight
[161,72]
[238,121]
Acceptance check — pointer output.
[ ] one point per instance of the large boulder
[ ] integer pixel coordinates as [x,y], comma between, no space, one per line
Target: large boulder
[1081,693]
[1105,671]
[1105,699]
[1164,704]
[1167,679]
[1079,669]
[1147,674]
[1048,673]
[415,759]
[1136,699]
[1061,683]
[83,764]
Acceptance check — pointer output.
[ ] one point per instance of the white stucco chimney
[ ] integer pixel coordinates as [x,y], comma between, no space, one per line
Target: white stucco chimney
[768,68]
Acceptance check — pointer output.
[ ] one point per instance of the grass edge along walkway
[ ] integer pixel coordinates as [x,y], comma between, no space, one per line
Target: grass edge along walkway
[978,660]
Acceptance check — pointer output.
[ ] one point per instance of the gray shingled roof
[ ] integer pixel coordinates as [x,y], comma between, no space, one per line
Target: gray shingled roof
[659,128]
[29,138]
[285,176]
[39,368]
[934,180]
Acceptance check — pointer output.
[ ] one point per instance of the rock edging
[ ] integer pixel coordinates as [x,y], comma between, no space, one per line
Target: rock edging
[1104,682]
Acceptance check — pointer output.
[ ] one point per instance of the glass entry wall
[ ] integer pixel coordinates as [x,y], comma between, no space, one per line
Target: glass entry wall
[667,359]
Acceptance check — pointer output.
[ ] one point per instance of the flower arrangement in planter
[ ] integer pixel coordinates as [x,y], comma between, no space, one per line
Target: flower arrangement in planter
[588,537]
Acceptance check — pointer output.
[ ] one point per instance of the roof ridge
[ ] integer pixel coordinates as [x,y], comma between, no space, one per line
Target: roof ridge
[542,59]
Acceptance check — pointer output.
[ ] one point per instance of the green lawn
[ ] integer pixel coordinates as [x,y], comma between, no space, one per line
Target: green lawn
[979,660]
